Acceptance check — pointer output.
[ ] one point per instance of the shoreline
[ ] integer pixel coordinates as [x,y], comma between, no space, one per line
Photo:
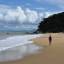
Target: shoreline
[22,47]
[53,54]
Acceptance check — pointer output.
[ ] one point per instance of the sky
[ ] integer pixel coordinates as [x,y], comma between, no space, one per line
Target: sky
[18,15]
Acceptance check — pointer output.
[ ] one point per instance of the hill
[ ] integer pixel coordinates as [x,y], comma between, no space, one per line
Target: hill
[54,23]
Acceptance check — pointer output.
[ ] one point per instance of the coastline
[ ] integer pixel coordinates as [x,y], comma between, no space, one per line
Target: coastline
[53,54]
[17,47]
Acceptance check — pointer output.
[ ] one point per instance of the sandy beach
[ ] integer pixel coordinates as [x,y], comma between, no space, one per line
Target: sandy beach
[53,54]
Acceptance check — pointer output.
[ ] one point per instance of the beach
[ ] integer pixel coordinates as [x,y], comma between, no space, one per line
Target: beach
[53,54]
[17,46]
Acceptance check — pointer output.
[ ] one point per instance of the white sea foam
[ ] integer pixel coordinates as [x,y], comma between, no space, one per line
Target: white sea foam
[16,47]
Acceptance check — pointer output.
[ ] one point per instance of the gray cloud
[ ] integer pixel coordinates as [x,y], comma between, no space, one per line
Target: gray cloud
[8,14]
[19,18]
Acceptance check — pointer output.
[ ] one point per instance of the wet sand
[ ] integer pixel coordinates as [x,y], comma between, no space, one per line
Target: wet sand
[53,54]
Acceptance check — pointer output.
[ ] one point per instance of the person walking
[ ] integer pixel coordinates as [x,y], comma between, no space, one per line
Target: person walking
[50,40]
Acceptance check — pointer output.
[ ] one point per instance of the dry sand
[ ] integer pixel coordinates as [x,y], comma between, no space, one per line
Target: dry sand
[53,54]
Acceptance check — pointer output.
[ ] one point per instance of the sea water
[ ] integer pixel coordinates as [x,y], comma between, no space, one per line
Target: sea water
[16,47]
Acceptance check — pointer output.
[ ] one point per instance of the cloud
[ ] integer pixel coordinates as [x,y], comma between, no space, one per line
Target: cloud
[18,14]
[20,18]
[32,16]
[13,15]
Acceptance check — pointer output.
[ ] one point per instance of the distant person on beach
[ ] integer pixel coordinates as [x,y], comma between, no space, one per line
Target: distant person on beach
[50,40]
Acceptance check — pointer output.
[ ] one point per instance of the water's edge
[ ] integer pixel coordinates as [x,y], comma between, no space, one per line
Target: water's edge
[17,47]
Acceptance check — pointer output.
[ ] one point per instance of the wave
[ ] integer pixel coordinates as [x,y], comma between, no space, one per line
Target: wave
[16,47]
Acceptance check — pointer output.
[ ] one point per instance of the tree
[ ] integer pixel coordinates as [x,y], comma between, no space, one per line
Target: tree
[54,23]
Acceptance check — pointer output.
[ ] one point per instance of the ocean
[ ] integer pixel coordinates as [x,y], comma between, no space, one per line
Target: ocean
[13,47]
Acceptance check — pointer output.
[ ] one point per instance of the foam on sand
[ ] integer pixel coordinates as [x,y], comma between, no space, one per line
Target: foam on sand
[16,47]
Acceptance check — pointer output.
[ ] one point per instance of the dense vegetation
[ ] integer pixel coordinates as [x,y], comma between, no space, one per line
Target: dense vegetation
[54,23]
